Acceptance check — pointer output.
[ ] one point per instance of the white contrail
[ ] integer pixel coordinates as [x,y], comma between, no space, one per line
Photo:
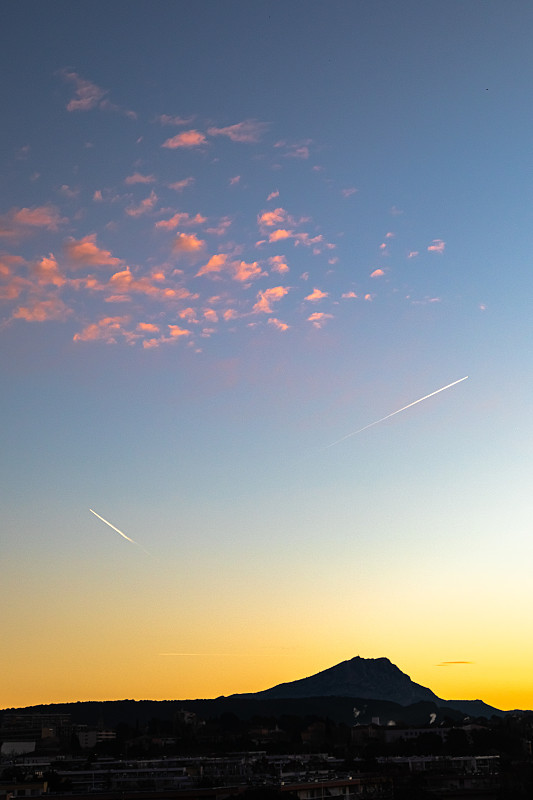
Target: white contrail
[118,531]
[354,433]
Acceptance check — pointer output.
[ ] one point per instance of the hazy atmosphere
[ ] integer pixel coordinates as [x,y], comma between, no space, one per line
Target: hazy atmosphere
[233,235]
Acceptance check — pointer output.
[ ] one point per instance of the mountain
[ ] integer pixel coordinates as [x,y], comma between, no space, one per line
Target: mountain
[375,678]
[371,678]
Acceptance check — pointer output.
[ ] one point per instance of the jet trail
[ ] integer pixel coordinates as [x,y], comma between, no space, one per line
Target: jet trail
[371,425]
[118,531]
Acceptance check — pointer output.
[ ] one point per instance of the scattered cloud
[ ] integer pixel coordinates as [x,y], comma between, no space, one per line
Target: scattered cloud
[278,264]
[166,119]
[279,234]
[188,243]
[272,196]
[106,329]
[248,131]
[270,218]
[296,149]
[349,295]
[43,310]
[180,219]
[266,298]
[315,295]
[68,191]
[176,332]
[146,205]
[85,252]
[413,254]
[235,180]
[88,96]
[138,178]
[245,271]
[377,273]
[179,186]
[47,272]
[187,139]
[19,222]
[215,264]
[276,323]
[348,192]
[220,229]
[319,318]
[436,246]
[147,327]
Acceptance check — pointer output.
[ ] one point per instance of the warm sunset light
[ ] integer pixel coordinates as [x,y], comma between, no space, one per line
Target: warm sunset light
[237,239]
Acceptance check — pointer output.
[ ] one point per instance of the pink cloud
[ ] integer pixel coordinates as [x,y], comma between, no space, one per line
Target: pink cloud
[244,271]
[47,272]
[413,254]
[188,314]
[176,331]
[19,222]
[266,298]
[190,138]
[138,178]
[67,191]
[229,314]
[378,273]
[319,319]
[180,219]
[87,95]
[43,310]
[369,297]
[296,150]
[272,195]
[179,186]
[315,295]
[279,234]
[278,264]
[234,181]
[188,243]
[276,323]
[221,228]
[248,131]
[241,271]
[147,327]
[124,283]
[106,329]
[389,235]
[40,217]
[146,205]
[436,246]
[270,218]
[210,314]
[86,253]
[349,295]
[215,264]
[349,192]
[166,119]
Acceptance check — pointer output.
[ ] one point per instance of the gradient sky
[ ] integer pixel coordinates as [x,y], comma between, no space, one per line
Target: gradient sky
[232,233]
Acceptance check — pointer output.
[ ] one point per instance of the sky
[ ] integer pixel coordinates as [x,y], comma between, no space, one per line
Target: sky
[231,235]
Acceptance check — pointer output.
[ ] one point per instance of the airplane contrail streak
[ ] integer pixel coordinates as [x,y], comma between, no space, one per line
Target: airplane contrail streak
[118,531]
[404,408]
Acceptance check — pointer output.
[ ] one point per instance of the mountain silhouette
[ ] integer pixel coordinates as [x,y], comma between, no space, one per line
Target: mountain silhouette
[368,678]
[373,678]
